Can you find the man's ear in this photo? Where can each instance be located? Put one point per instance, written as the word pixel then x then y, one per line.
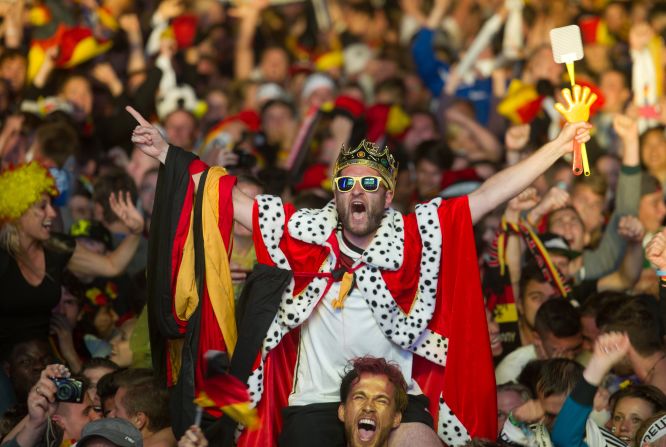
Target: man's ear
pixel 538 346
pixel 140 420
pixel 389 197
pixel 396 419
pixel 341 412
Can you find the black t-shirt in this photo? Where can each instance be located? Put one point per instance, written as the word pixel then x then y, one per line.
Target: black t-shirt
pixel 25 310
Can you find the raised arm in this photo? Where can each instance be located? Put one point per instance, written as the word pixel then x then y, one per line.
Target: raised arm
pixel 86 262
pixel 629 272
pixel 511 181
pixel 150 141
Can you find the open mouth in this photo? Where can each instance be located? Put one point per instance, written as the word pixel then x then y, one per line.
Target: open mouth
pixel 366 429
pixel 495 341
pixel 358 209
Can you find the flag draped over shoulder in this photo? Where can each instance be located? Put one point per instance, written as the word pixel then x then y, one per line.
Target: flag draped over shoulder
pixel 190 298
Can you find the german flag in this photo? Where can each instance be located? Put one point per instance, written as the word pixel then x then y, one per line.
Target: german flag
pixel 521 104
pixel 230 395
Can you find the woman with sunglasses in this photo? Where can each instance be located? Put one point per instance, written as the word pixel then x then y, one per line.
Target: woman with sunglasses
pixel 367 281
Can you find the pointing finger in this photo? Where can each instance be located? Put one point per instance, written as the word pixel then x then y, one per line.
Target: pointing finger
pixel 137 116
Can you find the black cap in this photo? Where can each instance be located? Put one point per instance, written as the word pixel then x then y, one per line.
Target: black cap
pixel 118 431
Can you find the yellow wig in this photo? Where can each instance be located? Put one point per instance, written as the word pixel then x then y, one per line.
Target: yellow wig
pixel 21 187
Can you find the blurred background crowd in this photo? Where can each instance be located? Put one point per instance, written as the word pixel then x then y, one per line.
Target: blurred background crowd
pixel 458 89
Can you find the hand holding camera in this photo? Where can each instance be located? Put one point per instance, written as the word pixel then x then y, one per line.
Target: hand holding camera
pixel 54 386
pixel 41 399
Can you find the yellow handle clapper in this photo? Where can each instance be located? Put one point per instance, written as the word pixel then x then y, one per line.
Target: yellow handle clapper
pixel 578 109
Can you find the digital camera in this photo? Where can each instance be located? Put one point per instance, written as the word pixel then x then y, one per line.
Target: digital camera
pixel 68 390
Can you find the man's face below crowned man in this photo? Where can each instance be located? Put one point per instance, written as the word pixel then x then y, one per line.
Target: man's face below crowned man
pixel 360 211
pixel 370 413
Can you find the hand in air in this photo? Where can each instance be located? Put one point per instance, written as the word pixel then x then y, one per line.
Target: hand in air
pixel 147 138
pixel 655 250
pixel 124 208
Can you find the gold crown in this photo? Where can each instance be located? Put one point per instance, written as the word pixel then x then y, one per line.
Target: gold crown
pixel 371 155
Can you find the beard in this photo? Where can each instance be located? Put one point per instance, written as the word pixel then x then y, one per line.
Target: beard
pixel 373 215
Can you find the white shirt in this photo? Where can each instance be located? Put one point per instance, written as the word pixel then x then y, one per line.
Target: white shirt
pixel 331 337
pixel 512 365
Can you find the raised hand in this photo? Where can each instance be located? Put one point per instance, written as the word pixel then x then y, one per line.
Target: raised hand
pixel 609 349
pixel 655 250
pixel 130 24
pixel 250 9
pixel 170 8
pixel 630 228
pixel 640 35
pixel 554 199
pixel 124 208
pixel 193 437
pixel 42 397
pixel 516 137
pixel 578 110
pixel 147 138
pixel 104 73
pixel 529 412
pixel 625 127
pixel 524 201
pixel 572 132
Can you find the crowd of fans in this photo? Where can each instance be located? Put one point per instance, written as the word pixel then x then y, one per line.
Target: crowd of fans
pixel 573 268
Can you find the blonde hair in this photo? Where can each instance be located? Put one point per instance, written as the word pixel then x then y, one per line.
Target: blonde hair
pixel 9 238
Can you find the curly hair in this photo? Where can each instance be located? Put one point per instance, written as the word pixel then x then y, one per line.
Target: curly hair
pixel 22 186
pixel 377 366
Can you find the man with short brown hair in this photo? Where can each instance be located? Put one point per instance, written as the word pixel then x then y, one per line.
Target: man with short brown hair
pixel 373 397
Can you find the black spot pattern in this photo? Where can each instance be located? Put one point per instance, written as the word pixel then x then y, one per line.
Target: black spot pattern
pixel 449 428
pixel 313 225
pixel 432 346
pixel 386 249
pixel 255 384
pixel 406 330
pixel 271 227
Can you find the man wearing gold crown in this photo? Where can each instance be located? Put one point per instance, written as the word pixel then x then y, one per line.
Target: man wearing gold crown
pixel 369 281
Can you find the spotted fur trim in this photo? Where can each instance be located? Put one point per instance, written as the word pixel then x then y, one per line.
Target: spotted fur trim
pixel 432 346
pixel 313 226
pixel 406 329
pixel 255 384
pixel 385 251
pixel 271 226
pixel 449 428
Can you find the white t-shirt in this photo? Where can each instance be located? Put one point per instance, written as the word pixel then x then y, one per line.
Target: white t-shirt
pixel 512 365
pixel 331 337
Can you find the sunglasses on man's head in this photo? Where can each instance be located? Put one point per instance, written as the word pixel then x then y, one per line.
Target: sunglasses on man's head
pixel 369 183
